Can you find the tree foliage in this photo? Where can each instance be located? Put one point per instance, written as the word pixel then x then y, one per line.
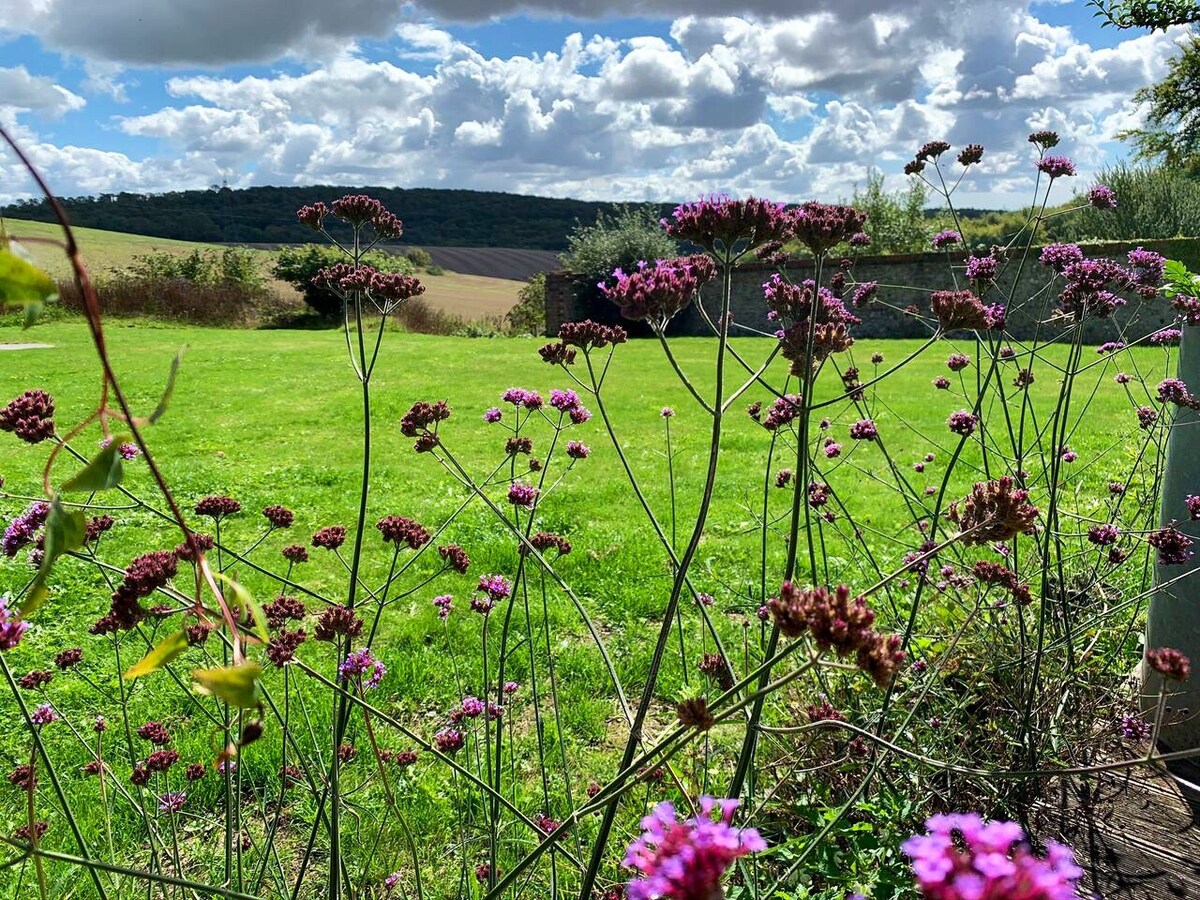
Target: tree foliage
pixel 896 220
pixel 617 240
pixel 267 215
pixel 529 314
pixel 1171 133
pixel 1153 203
pixel 1152 14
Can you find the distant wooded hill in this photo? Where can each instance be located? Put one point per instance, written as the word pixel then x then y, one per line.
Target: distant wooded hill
pixel 431 217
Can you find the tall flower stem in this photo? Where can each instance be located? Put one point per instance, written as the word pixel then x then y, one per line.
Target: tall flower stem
pixel 668 619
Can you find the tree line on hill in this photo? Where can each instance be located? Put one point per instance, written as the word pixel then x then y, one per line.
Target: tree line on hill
pixel 432 217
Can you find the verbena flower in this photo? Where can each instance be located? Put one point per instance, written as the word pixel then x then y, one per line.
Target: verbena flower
pixel 1169 663
pixel 359 663
pixel 330 537
pixel 218 507
pixel 448 741
pixel 993 511
pixel 964 858
pixel 1101 196
pixel 279 516
pixel 23 529
pixel 656 292
pixel 864 430
pixel 970 154
pixel 686 860
pixel 837 621
pixel 43 715
pixel 947 237
pixel 456 557
pixel 721 220
pixel 400 530
pixel 1173 546
pixel 69 658
pixel 337 620
pixel 956 362
pixel 444 604
pixel 172 801
pixel 982 268
pixel 29 416
pixel 1044 139
pixel 1056 166
pixel 154 732
pixel 521 494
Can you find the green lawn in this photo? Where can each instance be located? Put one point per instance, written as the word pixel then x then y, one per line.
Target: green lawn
pixel 273 417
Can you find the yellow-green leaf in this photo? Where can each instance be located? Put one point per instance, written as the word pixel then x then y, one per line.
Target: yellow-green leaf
pixel 235 685
pixel 245 604
pixel 22 282
pixel 165 400
pixel 104 471
pixel 161 654
pixel 64 531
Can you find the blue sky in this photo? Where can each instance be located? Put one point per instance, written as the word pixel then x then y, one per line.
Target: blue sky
pixel 639 100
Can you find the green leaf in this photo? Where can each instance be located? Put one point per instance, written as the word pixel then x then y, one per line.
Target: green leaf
pixel 165 400
pixel 104 471
pixel 22 282
pixel 235 685
pixel 64 531
pixel 161 654
pixel 245 604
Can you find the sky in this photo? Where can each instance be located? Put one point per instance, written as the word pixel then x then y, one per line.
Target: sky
pixel 596 99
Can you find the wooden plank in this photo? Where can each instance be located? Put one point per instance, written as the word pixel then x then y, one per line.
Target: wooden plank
pixel 1134 832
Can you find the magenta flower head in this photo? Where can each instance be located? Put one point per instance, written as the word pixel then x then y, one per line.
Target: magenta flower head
pixel 656 293
pixel 448 741
pixel 1056 166
pixel 721 220
pixel 864 430
pixel 360 663
pixel 946 238
pixel 172 801
pixel 492 415
pixel 822 226
pixel 667 412
pixel 43 715
pixel 686 860
pixel 29 416
pixel 964 858
pixel 982 268
pixel 520 494
pixel 1169 663
pixel 23 529
pixel 578 450
pixel 444 605
pixel 1101 196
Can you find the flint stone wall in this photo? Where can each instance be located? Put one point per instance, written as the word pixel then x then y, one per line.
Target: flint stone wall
pixel 905 279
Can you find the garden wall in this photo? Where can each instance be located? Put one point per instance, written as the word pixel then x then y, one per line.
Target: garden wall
pixel 569 299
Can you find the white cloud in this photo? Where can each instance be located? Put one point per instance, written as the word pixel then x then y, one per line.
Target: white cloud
pixel 20 91
pixel 721 102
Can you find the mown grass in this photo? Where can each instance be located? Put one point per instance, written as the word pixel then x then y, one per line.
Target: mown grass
pixel 274 417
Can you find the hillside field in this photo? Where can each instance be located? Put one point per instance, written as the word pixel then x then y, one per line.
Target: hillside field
pixel 469 296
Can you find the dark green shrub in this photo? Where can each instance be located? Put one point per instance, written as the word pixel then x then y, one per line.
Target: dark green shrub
pixel 529 314
pixel 299 265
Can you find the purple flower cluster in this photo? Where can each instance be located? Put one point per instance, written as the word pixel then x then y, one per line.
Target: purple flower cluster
pixel 444 604
pixel 686 860
pixel 1173 546
pixel 23 529
pixel 963 310
pixel 982 268
pixel 1056 166
pixel 962 422
pixel 864 430
pixel 400 530
pixel 1101 196
pixel 359 663
pixel 946 238
pixel 964 858
pixel 29 416
pixel 569 404
pixel 721 220
pixel 656 292
pixel 521 494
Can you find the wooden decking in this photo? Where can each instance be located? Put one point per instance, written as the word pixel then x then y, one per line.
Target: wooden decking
pixel 1137 833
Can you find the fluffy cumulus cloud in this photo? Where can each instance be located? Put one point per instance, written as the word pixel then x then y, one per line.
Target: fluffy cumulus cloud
pixel 791 99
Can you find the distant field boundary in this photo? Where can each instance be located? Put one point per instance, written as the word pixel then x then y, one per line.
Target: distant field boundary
pixel 491 262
